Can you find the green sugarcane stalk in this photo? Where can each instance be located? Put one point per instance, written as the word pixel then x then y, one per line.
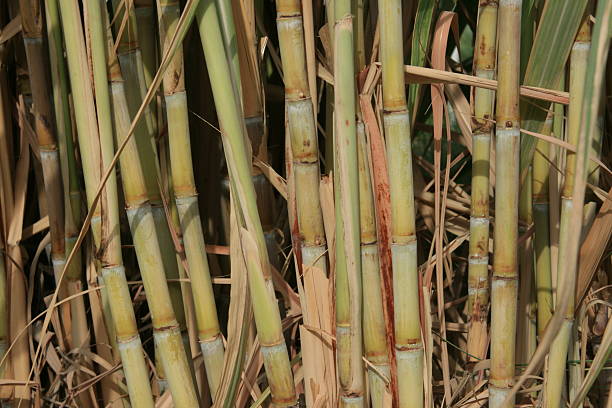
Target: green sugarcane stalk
pixel 141 216
pixel 147 34
pixel 44 126
pixel 329 91
pixel 72 193
pixel 249 90
pixel 132 69
pixel 61 104
pixel 555 373
pixel 396 120
pixel 112 270
pixel 230 42
pixel 541 240
pixel 267 318
pixel 73 315
pixel 374 329
pixel 349 299
pixel 482 129
pixel 526 324
pixel 505 263
pixel 185 193
pixel 302 132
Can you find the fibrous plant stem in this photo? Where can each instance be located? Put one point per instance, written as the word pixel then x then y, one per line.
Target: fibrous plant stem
pixel 32 21
pixel 541 240
pixel 113 273
pixel 185 194
pixel 130 59
pixel 485 59
pixel 505 263
pixel 234 137
pixel 374 329
pixel 396 121
pixel 346 188
pixel 166 329
pixel 302 131
pixel 558 353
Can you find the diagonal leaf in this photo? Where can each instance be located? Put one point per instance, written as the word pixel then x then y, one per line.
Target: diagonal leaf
pixel 558 27
pixel 421 37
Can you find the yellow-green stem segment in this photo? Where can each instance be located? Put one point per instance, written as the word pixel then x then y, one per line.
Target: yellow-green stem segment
pixel 133 71
pixel 185 194
pixel 541 240
pixel 482 128
pixel 44 126
pixel 505 262
pixel 128 340
pixel 302 131
pixel 558 352
pixel 396 122
pixel 265 306
pixel 346 187
pixel 374 329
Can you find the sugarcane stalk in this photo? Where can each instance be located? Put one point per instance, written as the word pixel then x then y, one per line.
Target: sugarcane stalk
pixel 346 187
pixel 112 270
pixel 185 194
pixel 32 21
pixel 15 363
pixel 329 91
pixel 482 129
pixel 230 42
pixel 144 226
pixel 555 374
pixel 4 326
pixel 555 185
pixel 133 71
pixel 72 193
pixel 505 263
pixel 147 35
pixel 5 198
pixel 241 49
pixel 267 318
pixel 396 121
pixel 374 330
pixel 302 131
pixel 541 240
pixel 526 324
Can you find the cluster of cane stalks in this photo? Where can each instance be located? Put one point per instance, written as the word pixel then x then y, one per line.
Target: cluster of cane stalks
pixel 233 203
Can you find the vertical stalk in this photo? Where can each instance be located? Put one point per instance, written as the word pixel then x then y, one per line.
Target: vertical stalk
pixel 240 41
pixel 113 273
pixel 482 129
pixel 133 71
pixel 374 329
pixel 396 120
pixel 72 193
pixel 302 131
pixel 267 318
pixel 230 41
pixel 33 37
pixel 541 240
pixel 329 91
pixel 147 34
pixel 166 329
pixel 505 263
pixel 558 352
pixel 4 315
pixel 346 187
pixel 6 200
pixel 185 194
pixel 526 324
